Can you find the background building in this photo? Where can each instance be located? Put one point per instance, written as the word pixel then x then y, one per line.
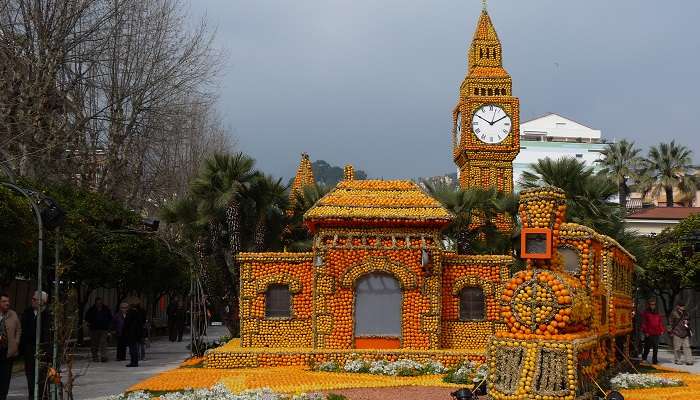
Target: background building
pixel 555 136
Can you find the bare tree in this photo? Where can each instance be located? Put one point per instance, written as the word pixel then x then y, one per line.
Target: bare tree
pixel 100 90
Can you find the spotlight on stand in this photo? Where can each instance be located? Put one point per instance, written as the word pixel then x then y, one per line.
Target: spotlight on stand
pixel 463 394
pixel 51 214
pixel 614 395
pixel 151 224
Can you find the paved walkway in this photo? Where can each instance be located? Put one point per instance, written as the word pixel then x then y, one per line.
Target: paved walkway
pixel 112 377
pixel 666 361
pixel 103 379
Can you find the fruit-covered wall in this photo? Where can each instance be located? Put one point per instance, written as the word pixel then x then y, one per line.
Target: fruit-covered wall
pixel 488 275
pixel 259 271
pixel 346 255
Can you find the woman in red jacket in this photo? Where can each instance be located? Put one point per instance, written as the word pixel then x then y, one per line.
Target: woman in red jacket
pixel 652 327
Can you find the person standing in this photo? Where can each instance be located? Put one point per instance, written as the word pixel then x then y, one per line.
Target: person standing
pixel 680 332
pixel 118 326
pixel 133 333
pixel 99 319
pixel 172 320
pixel 10 331
pixel 144 329
pixel 180 317
pixel 28 343
pixel 652 327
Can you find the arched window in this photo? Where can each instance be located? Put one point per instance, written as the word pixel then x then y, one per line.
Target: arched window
pixel 476 91
pixel 471 304
pixel 490 91
pixel 278 302
pixel 483 92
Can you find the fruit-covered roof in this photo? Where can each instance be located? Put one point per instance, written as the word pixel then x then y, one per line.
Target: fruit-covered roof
pixel 377 203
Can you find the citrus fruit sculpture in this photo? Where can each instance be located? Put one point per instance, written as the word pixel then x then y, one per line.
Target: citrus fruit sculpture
pixel 567 319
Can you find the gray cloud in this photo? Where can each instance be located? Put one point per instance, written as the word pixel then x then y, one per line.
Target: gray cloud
pixel 373 82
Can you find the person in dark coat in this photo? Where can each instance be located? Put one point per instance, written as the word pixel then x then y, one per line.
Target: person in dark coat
pixel 180 317
pixel 99 318
pixel 118 326
pixel 28 343
pixel 681 332
pixel 144 321
pixel 133 333
pixel 172 320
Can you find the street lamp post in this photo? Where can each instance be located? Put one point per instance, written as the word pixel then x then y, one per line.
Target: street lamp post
pixel 54 218
pixel 39 268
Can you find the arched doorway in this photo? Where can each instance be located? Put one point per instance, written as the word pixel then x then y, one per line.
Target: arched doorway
pixel 377 311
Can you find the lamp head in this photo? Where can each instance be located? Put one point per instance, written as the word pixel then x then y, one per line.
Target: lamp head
pixel 463 394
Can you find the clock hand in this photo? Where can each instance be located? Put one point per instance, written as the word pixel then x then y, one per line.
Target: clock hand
pixel 499 119
pixel 478 116
pixel 493 116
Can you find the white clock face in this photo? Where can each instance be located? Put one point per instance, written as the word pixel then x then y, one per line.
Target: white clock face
pixel 459 127
pixel 491 124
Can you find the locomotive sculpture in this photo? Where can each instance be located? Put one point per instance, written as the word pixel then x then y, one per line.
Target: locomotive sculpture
pixel 568 314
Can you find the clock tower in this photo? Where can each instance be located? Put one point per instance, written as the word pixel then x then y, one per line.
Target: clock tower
pixel 486 130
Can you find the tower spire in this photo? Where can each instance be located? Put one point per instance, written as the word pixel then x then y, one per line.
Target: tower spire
pixel 483 3
pixel 304 177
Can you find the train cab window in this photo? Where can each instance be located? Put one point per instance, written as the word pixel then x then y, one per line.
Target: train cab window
pixel 603 310
pixel 571 260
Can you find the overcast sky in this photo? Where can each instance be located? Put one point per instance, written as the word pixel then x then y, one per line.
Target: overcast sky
pixel 374 82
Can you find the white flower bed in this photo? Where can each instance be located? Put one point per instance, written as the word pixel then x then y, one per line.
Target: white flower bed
pixel 219 392
pixel 467 372
pixel 641 381
pixel 403 367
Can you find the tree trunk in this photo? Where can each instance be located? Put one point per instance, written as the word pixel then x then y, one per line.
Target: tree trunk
pixel 463 242
pixel 221 279
pixel 260 232
pixel 669 196
pixel 622 193
pixel 233 220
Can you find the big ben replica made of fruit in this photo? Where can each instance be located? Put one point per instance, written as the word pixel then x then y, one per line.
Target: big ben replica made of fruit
pixel 485 135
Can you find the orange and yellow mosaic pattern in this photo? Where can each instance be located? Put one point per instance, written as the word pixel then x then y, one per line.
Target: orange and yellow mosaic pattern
pixel 258 271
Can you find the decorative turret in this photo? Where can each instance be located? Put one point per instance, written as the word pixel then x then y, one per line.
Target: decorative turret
pixel 304 177
pixel 348 172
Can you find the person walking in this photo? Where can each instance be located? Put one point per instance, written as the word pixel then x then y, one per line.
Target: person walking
pixel 652 327
pixel 180 317
pixel 144 329
pixel 10 331
pixel 133 333
pixel 28 343
pixel 99 318
pixel 681 333
pixel 171 313
pixel 118 326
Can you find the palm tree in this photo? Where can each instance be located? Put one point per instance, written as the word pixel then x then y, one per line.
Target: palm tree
pixel 621 161
pixel 296 237
pixel 669 165
pixel 270 200
pixel 474 229
pixel 587 194
pixel 219 190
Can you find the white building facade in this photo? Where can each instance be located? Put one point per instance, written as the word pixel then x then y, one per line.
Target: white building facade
pixel 555 137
